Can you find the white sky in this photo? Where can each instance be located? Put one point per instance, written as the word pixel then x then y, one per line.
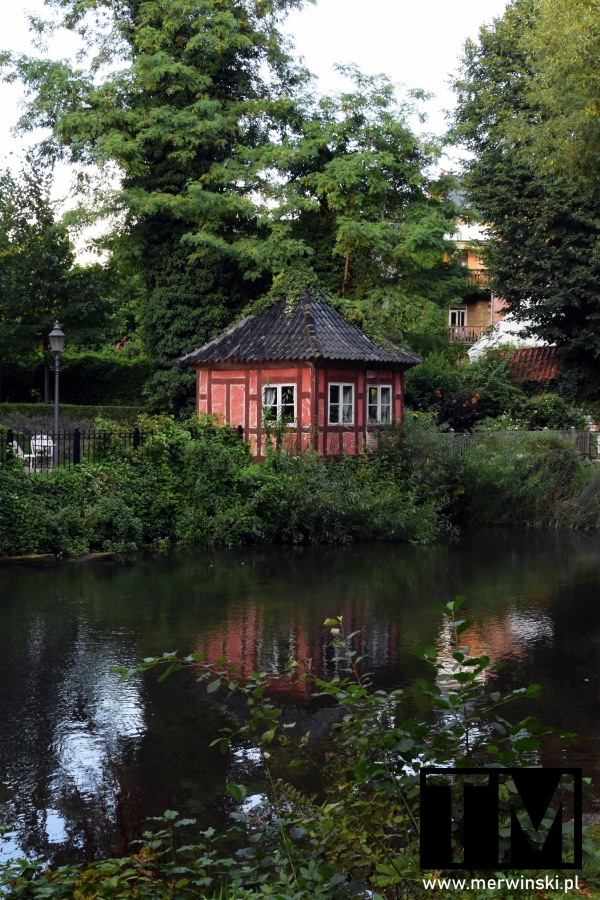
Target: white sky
pixel 417 44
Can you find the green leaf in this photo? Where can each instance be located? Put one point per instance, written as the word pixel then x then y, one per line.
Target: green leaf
pixel 237 791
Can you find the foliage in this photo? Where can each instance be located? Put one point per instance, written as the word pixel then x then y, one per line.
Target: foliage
pixel 355 194
pixel 178 97
pixel 105 377
pixel 95 377
pixel 38 417
pixel 196 484
pixel 438 375
pixel 36 255
pixel 539 412
pixel 39 281
pixel 361 837
pixel 567 84
pixel 543 223
pixel 231 172
pixel 483 393
pixel 463 393
pixel 514 479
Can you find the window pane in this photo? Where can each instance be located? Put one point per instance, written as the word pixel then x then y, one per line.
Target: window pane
pixel 348 405
pixel 334 413
pixel 386 405
pixel 270 403
pixel 287 394
pixel 334 393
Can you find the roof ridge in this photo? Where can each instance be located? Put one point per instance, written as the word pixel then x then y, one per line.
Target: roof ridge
pixel 310 325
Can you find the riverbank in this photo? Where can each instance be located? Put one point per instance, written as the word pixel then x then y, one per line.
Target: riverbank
pixel 206 491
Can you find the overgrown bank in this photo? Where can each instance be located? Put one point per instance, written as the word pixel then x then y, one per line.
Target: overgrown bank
pixel 205 490
pixel 199 486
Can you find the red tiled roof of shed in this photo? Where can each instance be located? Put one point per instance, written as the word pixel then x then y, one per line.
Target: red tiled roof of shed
pixel 534 364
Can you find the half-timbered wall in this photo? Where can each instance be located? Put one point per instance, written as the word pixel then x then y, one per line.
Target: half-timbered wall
pixel 236 395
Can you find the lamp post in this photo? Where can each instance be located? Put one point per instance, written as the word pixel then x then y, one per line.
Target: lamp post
pixel 57 343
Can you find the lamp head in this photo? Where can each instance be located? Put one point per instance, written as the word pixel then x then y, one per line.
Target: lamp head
pixel 57 339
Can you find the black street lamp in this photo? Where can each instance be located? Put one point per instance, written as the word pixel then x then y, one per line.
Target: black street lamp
pixel 57 343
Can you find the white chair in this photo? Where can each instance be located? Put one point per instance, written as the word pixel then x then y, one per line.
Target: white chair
pixel 42 451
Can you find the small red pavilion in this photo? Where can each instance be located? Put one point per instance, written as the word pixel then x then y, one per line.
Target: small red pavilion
pixel 298 369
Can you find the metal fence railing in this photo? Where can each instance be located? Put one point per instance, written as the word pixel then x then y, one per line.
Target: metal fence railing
pixel 42 450
pixel 586 442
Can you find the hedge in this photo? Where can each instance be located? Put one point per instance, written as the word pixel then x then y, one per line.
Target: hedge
pixel 93 377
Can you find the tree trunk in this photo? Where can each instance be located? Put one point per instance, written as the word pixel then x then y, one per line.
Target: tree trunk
pixel 346 272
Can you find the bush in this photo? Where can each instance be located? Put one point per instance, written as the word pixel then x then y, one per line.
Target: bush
pixel 437 376
pixel 40 416
pixel 92 377
pixel 518 479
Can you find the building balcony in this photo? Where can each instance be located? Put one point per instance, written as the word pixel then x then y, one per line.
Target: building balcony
pixel 466 334
pixel 478 278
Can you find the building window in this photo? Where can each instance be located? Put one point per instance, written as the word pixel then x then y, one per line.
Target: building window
pixel 457 318
pixel 279 403
pixel 380 405
pixel 341 404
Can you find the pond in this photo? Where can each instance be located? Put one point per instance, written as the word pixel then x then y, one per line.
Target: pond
pixel 76 745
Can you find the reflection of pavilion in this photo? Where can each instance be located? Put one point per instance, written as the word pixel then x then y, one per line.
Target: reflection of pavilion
pixel 502 640
pixel 251 640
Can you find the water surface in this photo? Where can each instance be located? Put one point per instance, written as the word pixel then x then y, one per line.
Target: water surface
pixel 75 744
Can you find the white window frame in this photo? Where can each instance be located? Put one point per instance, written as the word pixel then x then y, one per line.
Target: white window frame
pixel 341 385
pixel 279 388
pixel 379 388
pixel 459 312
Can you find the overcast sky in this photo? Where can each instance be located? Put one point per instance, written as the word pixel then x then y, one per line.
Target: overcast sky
pixel 417 44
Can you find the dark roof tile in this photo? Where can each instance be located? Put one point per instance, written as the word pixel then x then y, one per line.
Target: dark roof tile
pixel 307 330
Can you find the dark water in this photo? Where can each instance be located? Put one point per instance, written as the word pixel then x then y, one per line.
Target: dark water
pixel 75 744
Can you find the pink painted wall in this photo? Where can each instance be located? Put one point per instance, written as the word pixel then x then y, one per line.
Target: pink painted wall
pixel 236 396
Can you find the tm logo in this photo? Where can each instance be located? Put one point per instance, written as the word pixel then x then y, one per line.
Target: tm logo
pixel 500 818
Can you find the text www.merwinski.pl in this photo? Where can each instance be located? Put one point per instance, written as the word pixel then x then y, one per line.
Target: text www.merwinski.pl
pixel 521 883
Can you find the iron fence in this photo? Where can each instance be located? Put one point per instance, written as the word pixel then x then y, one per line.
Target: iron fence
pixel 585 442
pixel 43 450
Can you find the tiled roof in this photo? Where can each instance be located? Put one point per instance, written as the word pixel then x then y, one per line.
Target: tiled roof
pixel 308 330
pixel 534 364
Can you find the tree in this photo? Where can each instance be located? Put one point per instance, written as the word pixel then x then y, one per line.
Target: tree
pixel 176 95
pixel 353 188
pixel 35 256
pixel 544 251
pixel 564 47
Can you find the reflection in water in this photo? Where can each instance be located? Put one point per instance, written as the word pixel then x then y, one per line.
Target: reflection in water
pixel 74 743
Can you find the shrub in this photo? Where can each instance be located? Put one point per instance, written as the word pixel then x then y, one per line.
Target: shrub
pixel 518 479
pixel 437 376
pixel 113 526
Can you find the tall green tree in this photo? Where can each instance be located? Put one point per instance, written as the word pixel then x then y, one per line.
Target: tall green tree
pixel 354 188
pixel 175 94
pixel 35 258
pixel 544 223
pixel 564 47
